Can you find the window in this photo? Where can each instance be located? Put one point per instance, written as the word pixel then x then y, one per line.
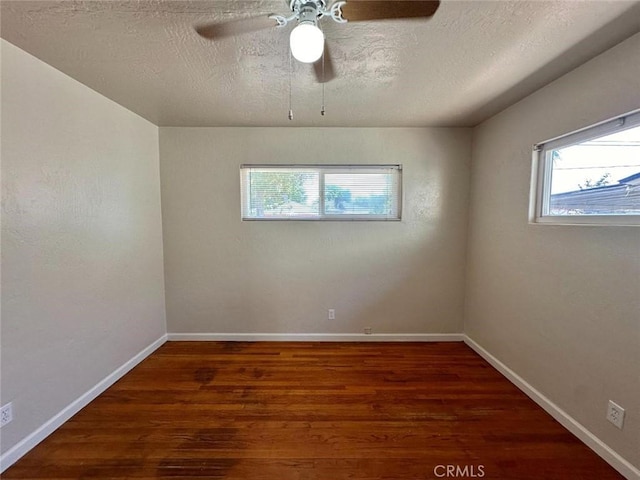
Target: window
pixel 591 176
pixel 321 192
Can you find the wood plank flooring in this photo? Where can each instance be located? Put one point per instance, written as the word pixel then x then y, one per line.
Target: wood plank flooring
pixel 312 411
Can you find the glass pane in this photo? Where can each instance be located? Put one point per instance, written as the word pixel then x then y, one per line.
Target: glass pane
pixel 283 193
pixel 357 193
pixel 319 192
pixel 597 177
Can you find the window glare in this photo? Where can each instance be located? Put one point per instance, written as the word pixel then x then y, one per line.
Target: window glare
pixel 607 159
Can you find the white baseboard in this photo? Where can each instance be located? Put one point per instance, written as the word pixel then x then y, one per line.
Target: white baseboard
pixel 594 443
pixel 316 337
pixel 21 448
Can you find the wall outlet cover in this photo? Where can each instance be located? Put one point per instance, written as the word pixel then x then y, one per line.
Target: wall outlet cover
pixel 615 414
pixel 6 414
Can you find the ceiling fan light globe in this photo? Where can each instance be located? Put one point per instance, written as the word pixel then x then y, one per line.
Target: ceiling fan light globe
pixel 306 42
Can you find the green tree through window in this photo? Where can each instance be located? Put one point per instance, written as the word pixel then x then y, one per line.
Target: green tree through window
pixel 274 189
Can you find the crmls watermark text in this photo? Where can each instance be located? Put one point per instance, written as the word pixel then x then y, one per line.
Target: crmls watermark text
pixel 459 471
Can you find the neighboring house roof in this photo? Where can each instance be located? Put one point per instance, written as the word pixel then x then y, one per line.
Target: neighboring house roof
pixel 631 180
pixel 622 198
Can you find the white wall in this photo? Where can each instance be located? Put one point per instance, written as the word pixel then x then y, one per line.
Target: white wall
pixel 228 276
pixel 560 305
pixel 82 278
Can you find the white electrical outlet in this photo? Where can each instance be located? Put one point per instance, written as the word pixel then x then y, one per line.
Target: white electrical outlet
pixel 367 331
pixel 6 414
pixel 615 414
pixel 332 314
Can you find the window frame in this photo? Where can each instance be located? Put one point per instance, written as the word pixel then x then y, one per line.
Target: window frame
pixel 542 167
pixel 324 169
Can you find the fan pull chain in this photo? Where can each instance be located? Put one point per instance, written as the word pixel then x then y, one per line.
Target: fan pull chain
pixel 322 110
pixel 324 50
pixel 290 102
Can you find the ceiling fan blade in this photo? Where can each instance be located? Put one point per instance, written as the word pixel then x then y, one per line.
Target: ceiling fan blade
pixel 328 74
pixel 363 10
pixel 214 31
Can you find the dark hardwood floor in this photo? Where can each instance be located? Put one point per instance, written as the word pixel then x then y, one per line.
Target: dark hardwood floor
pixel 312 411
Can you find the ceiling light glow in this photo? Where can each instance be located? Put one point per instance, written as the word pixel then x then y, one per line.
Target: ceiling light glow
pixel 306 42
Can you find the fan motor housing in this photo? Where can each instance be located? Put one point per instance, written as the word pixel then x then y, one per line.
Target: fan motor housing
pixel 308 10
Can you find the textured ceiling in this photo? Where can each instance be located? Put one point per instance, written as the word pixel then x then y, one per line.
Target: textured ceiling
pixel 472 59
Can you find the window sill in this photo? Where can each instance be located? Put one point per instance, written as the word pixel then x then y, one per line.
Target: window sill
pixel 589 221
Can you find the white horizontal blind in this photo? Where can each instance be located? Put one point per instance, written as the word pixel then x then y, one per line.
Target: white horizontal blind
pixel 321 192
pixel 595 131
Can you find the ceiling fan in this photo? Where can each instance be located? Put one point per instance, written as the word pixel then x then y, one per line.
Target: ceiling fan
pixel 307 39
